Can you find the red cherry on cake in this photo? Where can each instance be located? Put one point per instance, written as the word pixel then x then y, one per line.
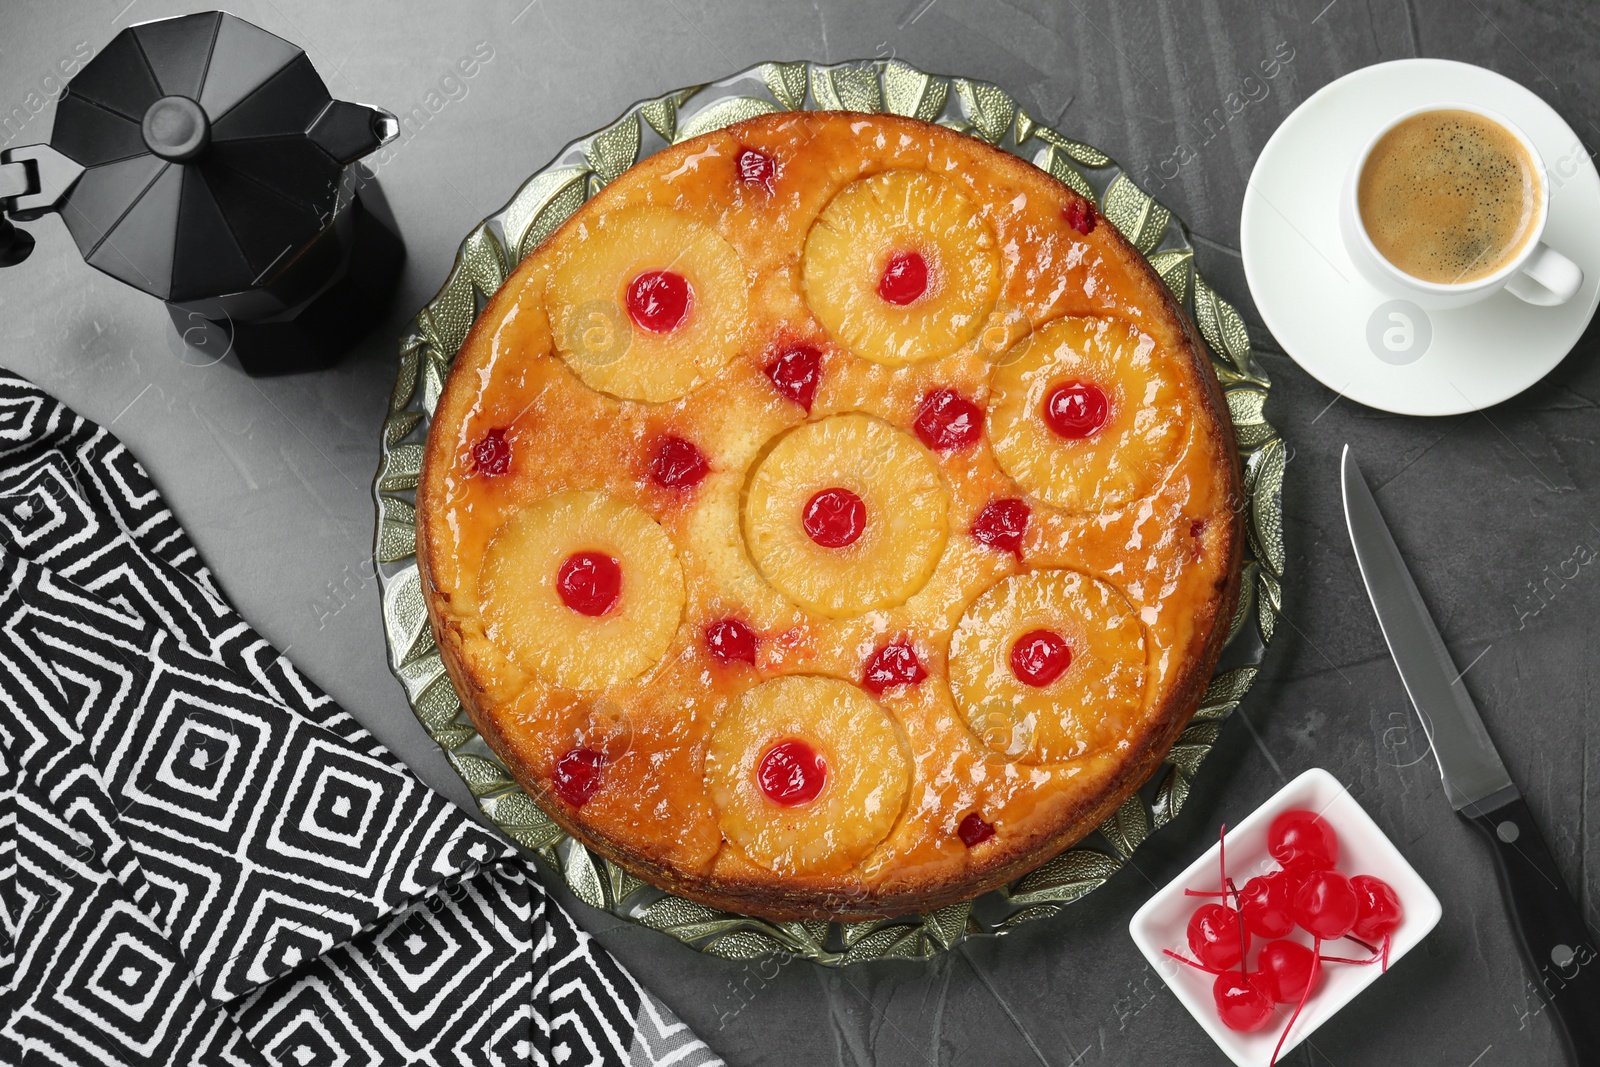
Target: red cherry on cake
pixel 834 517
pixel 893 664
pixel 1075 410
pixel 1001 524
pixel 732 641
pixel 905 277
pixel 1303 841
pixel 677 464
pixel 947 421
pixel 1215 936
pixel 578 775
pixel 1325 904
pixel 1378 909
pixel 795 372
pixel 1240 1003
pixel 1080 215
pixel 589 582
pixel 658 300
pixel 791 773
pixel 1264 902
pixel 755 167
pixel 1285 969
pixel 973 831
pixel 1039 657
pixel 491 456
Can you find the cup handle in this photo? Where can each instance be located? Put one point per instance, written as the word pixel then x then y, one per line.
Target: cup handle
pixel 1548 278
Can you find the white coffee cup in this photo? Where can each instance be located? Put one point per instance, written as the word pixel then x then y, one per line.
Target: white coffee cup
pixel 1537 274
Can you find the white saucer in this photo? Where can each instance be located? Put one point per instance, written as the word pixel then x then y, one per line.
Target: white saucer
pixel 1349 335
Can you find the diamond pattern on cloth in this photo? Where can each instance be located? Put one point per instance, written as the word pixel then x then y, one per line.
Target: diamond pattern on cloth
pixel 204 859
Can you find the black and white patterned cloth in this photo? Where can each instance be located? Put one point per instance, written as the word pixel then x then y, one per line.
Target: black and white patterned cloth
pixel 204 860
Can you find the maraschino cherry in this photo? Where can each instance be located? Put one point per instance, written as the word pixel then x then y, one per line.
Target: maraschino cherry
pixel 894 664
pixel 1216 937
pixel 658 300
pixel 579 775
pixel 1240 1003
pixel 1378 910
pixel 589 582
pixel 795 372
pixel 974 831
pixel 1075 410
pixel 1080 215
pixel 1325 904
pixel 1303 841
pixel 1002 524
pixel 491 456
pixel 947 421
pixel 1039 657
pixel 834 518
pixel 732 641
pixel 755 167
pixel 1264 902
pixel 1287 969
pixel 905 277
pixel 678 463
pixel 791 773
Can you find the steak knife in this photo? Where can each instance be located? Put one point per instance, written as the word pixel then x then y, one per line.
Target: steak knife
pixel 1556 945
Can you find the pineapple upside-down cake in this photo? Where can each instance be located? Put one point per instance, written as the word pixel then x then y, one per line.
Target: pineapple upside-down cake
pixel 834 517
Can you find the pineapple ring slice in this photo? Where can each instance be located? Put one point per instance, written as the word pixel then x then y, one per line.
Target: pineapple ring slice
pixel 1144 424
pixel 850 244
pixel 865 786
pixel 906 515
pixel 1088 706
pixel 523 612
pixel 596 336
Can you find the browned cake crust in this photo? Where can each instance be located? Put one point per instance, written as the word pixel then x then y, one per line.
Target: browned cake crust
pixel 1172 550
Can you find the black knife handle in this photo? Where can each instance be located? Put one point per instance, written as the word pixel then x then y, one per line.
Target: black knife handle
pixel 1556 943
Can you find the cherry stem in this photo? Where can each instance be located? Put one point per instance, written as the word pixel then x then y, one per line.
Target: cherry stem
pixel 1192 963
pixel 1316 950
pixel 1347 959
pixel 1222 858
pixel 1203 893
pixel 1370 948
pixel 1385 953
pixel 1244 943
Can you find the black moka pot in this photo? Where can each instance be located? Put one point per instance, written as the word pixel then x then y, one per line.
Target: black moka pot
pixel 202 160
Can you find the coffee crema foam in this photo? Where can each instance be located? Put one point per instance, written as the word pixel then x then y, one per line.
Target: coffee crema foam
pixel 1449 196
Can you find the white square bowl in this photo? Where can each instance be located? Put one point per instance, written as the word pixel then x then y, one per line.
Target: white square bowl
pixel 1363 849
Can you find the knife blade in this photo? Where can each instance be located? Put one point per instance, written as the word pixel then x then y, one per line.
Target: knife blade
pixel 1471 767
pixel 1550 929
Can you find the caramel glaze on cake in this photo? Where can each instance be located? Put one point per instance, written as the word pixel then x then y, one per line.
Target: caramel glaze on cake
pixel 664 613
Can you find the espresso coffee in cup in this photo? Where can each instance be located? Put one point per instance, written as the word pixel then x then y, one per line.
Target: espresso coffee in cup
pixel 1446 205
pixel 1449 196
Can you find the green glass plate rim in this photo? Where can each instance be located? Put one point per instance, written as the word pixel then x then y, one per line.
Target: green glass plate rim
pixel 549 196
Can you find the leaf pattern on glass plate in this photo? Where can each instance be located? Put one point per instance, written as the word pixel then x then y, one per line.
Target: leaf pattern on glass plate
pixel 725 113
pixel 908 91
pixel 1174 267
pixel 543 203
pixel 988 107
pixel 1132 210
pixel 614 150
pixel 1060 166
pixel 787 83
pixel 1128 826
pixel 1085 154
pixel 1065 878
pixel 520 817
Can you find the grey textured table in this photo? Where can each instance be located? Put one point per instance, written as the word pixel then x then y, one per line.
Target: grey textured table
pixel 272 477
